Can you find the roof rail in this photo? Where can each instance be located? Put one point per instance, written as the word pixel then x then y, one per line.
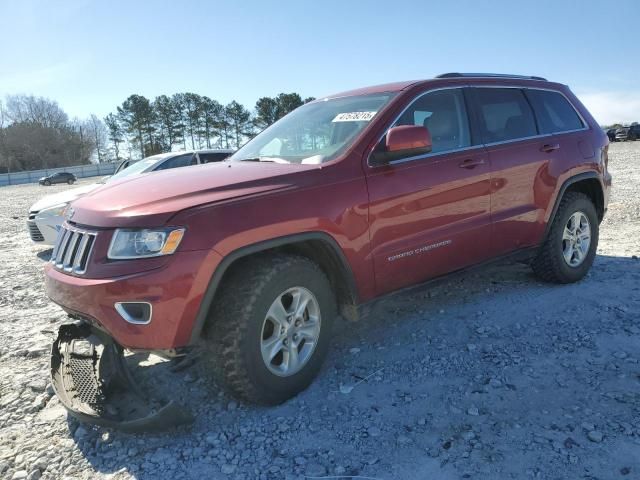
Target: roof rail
pixel 488 75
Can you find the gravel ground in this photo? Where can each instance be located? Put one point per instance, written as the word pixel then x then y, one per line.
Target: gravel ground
pixel 487 375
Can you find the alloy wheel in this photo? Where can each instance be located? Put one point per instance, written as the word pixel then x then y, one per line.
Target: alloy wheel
pixel 290 331
pixel 576 239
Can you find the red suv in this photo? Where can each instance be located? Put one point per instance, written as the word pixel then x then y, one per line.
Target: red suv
pixel 342 201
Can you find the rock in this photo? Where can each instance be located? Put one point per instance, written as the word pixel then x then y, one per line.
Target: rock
pixel 34 475
pixel 354 350
pixel 20 475
pixel 588 426
pixel 315 470
pixel 403 440
pixel 595 436
pixel 473 411
pixel 300 460
pixel 495 383
pixel 232 405
pixel 228 469
pixel 468 435
pixel 374 431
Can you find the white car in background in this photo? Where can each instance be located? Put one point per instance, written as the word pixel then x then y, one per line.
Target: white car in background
pixel 46 215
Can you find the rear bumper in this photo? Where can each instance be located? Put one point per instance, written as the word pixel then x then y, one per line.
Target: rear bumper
pixel 175 292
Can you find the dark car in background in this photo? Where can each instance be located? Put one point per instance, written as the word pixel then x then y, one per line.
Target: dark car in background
pixel 58 177
pixel 628 133
pixel 611 133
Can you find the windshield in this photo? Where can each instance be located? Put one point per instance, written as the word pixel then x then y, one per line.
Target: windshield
pixel 314 133
pixel 137 167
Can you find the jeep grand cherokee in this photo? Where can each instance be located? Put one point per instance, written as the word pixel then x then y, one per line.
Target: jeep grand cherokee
pixel 346 199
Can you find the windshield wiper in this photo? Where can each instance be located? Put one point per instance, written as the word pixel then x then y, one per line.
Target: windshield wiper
pixel 264 159
pixel 257 159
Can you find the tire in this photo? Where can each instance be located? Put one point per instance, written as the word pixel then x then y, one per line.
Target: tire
pixel 551 263
pixel 70 181
pixel 47 183
pixel 238 327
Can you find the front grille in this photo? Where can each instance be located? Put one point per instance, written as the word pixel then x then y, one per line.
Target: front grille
pixel 34 232
pixel 72 249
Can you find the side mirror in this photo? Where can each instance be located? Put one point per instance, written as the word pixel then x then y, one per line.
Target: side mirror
pixel 403 141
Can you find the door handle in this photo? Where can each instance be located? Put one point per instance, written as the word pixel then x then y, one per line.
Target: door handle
pixel 548 148
pixel 471 163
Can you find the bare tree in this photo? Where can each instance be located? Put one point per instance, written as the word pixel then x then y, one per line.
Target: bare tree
pixel 98 133
pixel 36 110
pixel 3 116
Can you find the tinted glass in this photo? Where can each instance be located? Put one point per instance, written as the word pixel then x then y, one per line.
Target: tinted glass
pixel 179 161
pixel 555 114
pixel 504 114
pixel 444 114
pixel 213 157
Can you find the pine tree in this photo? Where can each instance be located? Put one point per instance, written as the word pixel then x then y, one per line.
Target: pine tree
pixel 239 121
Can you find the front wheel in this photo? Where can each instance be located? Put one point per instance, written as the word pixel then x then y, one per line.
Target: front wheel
pixel 270 328
pixel 570 247
pixel 47 183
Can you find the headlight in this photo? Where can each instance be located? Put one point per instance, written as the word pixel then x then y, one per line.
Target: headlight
pixel 54 211
pixel 142 243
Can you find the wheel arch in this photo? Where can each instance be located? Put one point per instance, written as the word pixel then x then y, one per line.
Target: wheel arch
pixel 319 247
pixel 588 183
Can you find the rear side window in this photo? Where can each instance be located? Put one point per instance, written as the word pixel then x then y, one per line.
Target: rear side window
pixel 555 113
pixel 504 114
pixel 443 113
pixel 179 161
pixel 213 157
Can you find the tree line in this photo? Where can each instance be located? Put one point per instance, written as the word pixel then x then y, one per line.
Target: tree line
pixel 36 133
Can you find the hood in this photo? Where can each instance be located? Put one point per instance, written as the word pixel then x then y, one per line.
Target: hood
pixel 62 197
pixel 151 199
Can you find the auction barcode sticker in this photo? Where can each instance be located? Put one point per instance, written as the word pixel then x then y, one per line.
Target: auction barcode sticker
pixel 354 117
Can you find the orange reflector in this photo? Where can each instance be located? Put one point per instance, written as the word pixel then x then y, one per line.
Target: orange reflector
pixel 173 240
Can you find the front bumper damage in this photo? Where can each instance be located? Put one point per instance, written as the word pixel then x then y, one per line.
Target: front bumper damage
pixel 90 377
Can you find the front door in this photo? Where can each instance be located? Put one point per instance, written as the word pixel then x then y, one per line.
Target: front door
pixel 430 214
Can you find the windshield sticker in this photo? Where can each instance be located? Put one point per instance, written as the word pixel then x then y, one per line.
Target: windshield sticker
pixel 354 117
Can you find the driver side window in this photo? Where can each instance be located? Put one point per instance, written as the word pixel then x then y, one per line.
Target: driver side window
pixel 444 114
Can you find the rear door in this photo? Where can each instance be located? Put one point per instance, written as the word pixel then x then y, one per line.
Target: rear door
pixel 520 158
pixel 430 214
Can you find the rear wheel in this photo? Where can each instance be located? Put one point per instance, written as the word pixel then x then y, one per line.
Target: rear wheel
pixel 70 181
pixel 270 326
pixel 570 247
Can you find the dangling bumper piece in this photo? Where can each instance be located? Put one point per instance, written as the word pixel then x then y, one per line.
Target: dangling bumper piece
pixel 90 377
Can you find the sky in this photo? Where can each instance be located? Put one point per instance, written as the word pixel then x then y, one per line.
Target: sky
pixel 90 56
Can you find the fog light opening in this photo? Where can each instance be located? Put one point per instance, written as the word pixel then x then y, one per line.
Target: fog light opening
pixel 138 313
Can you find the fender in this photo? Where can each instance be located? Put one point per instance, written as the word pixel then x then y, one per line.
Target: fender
pixel 567 183
pixel 247 250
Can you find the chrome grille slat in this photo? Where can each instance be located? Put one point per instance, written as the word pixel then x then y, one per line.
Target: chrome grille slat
pixel 72 249
pixel 81 248
pixel 62 248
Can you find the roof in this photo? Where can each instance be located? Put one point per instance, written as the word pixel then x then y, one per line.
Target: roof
pixel 399 86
